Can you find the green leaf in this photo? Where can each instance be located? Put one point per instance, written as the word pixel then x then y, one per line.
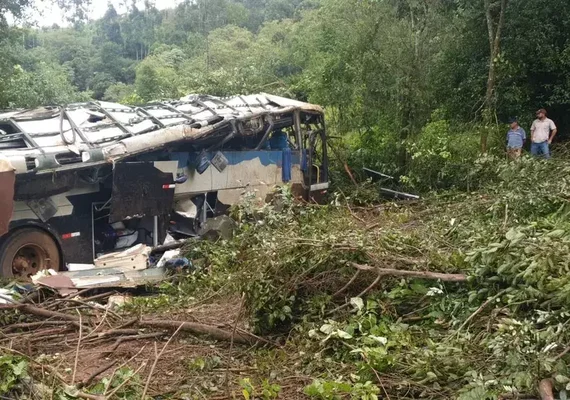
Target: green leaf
pixel 357 302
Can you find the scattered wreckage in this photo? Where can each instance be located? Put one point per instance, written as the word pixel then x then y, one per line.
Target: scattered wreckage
pixel 102 185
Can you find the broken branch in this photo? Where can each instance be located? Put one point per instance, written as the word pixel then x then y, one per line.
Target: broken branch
pixel 77 350
pixel 201 329
pixel 31 325
pixel 545 389
pixel 485 304
pixel 413 274
pixel 90 378
pixel 110 396
pixel 350 282
pixel 136 337
pixel 369 288
pixel 156 360
pixel 41 312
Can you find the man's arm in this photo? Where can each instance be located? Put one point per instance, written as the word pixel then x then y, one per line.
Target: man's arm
pixel 532 129
pixel 553 133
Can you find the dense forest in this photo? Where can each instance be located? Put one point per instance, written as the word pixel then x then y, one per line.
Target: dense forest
pixel 409 81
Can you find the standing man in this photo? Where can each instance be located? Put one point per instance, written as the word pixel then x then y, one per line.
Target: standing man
pixel 516 137
pixel 542 133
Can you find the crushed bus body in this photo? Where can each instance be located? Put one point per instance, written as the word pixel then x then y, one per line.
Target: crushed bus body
pixel 89 179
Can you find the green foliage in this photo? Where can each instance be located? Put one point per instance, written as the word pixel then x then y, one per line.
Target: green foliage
pixel 204 364
pixel 12 370
pixel 267 391
pixel 46 84
pixel 131 390
pixel 510 237
pixel 333 390
pixel 120 92
pixel 440 158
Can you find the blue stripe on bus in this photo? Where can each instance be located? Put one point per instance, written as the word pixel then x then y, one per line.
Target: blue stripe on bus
pixel 265 157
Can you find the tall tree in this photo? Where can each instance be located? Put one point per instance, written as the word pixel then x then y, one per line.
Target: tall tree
pixel 110 26
pixel 495 17
pixel 74 9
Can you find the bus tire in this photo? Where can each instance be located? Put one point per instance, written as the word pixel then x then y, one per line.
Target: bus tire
pixel 26 251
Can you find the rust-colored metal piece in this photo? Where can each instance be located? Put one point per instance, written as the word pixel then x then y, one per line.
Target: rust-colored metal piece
pixel 7 181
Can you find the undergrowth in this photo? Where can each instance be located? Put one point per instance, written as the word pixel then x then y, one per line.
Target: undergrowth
pixel 498 333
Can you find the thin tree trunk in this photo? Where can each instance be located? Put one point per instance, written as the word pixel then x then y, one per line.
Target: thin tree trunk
pixel 494 50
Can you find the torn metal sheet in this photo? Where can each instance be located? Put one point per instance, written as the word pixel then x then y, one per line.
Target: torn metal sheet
pixel 62 284
pixel 135 258
pixel 116 278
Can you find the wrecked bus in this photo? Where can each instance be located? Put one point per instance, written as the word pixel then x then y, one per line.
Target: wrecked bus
pixel 89 179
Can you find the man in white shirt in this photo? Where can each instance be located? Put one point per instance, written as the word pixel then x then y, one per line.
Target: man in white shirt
pixel 542 133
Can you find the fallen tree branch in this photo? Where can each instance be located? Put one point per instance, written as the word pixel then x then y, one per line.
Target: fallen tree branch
pixel 110 396
pixel 99 296
pixel 41 312
pixel 131 338
pixel 481 307
pixel 545 389
pixel 349 172
pixel 50 369
pixel 517 396
pixel 350 282
pixel 564 352
pixel 227 378
pixel 114 332
pixel 201 329
pixel 88 396
pixel 40 333
pixel 31 325
pixel 370 227
pixel 77 350
pixel 381 272
pixel 413 274
pixel 130 322
pixel 259 338
pixel 87 381
pixel 369 288
pixel 147 384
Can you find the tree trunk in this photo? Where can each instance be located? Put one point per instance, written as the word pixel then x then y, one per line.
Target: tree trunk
pixel 495 30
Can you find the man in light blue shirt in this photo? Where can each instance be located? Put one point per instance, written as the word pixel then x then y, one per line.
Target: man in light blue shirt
pixel 516 137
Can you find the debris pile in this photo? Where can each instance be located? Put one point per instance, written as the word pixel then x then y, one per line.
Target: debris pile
pixel 89 336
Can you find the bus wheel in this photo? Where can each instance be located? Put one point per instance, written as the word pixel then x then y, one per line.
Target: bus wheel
pixel 27 251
